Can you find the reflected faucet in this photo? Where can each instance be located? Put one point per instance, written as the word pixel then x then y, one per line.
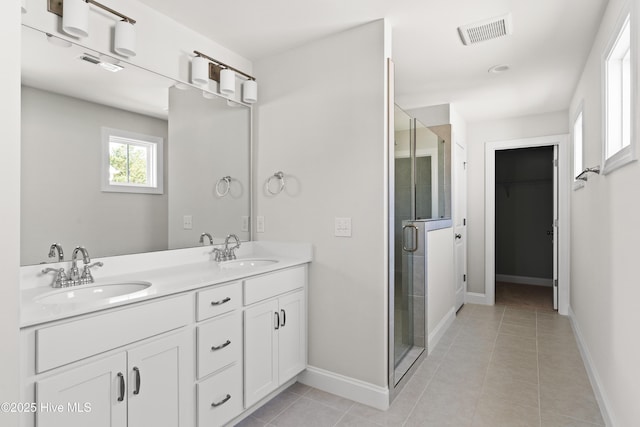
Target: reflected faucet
pixel 202 236
pixel 55 247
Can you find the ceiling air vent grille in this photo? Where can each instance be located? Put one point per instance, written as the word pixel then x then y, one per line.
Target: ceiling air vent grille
pixel 485 30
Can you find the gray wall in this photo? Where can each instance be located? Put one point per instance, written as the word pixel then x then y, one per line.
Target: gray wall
pixel 210 140
pixel 61 166
pixel 321 120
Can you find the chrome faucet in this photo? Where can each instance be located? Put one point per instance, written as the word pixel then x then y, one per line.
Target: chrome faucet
pixel 74 278
pixel 55 247
pixel 202 236
pixel 74 274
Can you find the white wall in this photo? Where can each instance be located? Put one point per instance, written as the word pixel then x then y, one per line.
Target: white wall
pixel 10 206
pixel 604 251
pixel 321 120
pixel 477 135
pixel 440 279
pixel 61 150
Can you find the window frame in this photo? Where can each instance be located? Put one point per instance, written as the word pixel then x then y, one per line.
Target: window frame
pixel 156 164
pixel 626 154
pixel 579 114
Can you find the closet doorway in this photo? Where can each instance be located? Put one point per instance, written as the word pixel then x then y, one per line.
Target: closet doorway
pixel 559 225
pixel 524 210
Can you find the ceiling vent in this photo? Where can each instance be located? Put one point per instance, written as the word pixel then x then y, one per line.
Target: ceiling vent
pixel 486 30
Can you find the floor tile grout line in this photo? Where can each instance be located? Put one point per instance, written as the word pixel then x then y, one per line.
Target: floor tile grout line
pixel 486 373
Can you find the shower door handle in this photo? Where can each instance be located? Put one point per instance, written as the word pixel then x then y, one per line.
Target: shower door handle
pixel 414 240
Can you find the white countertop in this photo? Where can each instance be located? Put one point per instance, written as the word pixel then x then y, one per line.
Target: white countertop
pixel 167 280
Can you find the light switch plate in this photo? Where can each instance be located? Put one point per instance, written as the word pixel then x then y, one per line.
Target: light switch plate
pixel 342 227
pixel 245 224
pixel 187 222
pixel 260 224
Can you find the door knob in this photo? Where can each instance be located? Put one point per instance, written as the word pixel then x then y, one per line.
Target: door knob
pixel 458 236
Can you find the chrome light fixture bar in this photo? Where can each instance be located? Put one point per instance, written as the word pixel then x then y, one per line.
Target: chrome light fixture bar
pixel 204 67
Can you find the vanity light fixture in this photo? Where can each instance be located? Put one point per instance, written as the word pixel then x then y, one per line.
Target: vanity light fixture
pixel 75 22
pixel 205 68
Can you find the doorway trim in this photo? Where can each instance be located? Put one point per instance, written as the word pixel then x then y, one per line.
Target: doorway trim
pixel 562 142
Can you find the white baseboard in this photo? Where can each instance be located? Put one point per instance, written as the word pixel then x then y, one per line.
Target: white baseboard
pixel 475 298
pixel 594 378
pixel 441 328
pixel 349 388
pixel 524 280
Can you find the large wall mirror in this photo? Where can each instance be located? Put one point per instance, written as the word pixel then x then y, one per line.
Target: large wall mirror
pixel 200 150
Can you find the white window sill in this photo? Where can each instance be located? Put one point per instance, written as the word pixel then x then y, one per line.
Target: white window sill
pixel 618 160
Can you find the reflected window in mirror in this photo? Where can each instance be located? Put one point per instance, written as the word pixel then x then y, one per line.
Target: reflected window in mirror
pixel 131 162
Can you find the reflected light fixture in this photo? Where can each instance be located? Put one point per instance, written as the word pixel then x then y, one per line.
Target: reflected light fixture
pixel 75 22
pixel 205 68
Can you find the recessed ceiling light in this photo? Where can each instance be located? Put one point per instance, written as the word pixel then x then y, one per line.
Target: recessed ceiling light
pixel 497 69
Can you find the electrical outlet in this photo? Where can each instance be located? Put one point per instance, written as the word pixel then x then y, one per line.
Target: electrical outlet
pixel 187 222
pixel 260 224
pixel 342 227
pixel 245 224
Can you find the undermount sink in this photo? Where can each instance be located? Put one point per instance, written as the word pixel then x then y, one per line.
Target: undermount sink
pixel 246 263
pixel 89 293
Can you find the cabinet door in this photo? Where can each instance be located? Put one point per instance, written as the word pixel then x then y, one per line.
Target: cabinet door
pixel 292 343
pixel 261 351
pixel 100 385
pixel 158 388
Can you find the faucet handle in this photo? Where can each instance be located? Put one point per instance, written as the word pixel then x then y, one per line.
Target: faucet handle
pixel 87 277
pixel 61 278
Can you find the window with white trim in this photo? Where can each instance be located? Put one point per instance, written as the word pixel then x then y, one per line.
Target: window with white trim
pixel 578 162
pixel 617 72
pixel 131 162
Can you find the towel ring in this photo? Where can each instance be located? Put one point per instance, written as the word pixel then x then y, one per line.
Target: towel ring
pixel 226 181
pixel 280 177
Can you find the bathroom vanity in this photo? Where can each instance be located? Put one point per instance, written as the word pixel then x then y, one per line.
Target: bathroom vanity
pixel 203 344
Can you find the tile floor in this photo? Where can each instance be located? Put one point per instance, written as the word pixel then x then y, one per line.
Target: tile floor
pixel 496 366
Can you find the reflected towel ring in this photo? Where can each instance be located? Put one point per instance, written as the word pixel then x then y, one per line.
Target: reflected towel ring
pixel 280 177
pixel 226 181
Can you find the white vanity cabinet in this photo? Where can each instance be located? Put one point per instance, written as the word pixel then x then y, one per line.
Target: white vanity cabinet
pixel 125 367
pixel 139 387
pixel 275 331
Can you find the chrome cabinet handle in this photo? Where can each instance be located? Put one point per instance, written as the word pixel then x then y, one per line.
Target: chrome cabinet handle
pixel 414 246
pixel 221 346
pixel 458 236
pixel 138 381
pixel 122 385
pixel 222 402
pixel 284 318
pixel 223 301
pixel 277 316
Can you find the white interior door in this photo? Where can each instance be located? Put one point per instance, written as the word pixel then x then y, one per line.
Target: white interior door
pixel 556 235
pixel 460 223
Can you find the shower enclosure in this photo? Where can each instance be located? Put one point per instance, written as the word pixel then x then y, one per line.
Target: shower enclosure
pixel 417 194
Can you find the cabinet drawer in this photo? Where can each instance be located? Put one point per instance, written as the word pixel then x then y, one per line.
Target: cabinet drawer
pixel 218 300
pixel 220 397
pixel 65 343
pixel 267 286
pixel 219 343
